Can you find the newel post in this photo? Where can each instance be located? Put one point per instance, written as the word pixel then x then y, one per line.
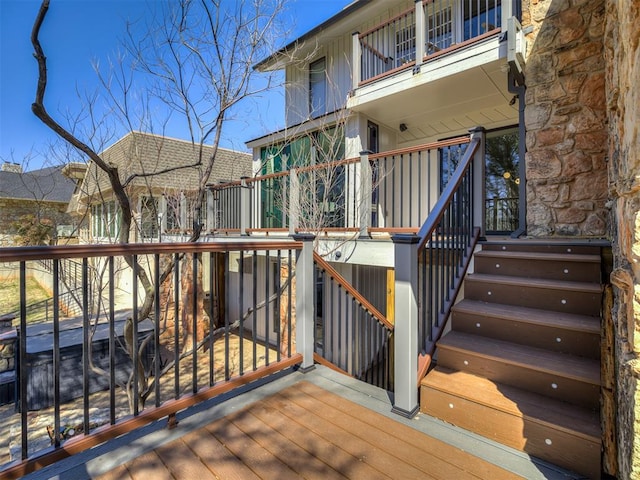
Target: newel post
pixel 479 194
pixel 355 60
pixel 305 285
pixel 245 206
pixel 365 194
pixel 405 345
pixel 420 35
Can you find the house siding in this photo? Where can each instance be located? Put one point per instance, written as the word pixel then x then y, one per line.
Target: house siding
pixel 338 53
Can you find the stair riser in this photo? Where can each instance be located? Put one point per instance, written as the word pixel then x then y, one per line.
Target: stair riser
pixel 521 376
pixel 546 248
pixel 567 301
pixel 555 339
pixel 547 269
pixel 567 449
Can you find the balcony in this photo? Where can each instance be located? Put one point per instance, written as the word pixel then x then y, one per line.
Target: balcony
pixel 451 55
pixel 376 194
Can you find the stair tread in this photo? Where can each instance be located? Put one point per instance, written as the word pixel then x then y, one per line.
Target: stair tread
pixel 520 255
pixel 569 366
pixel 535 282
pixel 515 401
pixel 568 321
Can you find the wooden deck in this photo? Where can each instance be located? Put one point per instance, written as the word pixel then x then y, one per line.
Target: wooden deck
pixel 316 425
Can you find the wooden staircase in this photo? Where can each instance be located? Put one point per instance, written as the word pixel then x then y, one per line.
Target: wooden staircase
pixel 521 364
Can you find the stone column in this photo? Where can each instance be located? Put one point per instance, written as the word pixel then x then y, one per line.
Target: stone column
pixel 565 118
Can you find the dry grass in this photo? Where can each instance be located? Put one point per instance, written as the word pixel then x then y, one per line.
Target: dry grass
pixel 10 298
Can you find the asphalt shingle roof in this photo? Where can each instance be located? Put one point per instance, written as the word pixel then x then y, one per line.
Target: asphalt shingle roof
pixel 45 184
pixel 140 153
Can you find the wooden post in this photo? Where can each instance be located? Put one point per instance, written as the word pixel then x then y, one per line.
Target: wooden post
pixel 421 32
pixel 355 60
pixel 245 206
pixel 405 345
pixel 479 193
pixel 305 316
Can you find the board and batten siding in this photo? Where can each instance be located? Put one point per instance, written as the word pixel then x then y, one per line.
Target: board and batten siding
pixel 338 54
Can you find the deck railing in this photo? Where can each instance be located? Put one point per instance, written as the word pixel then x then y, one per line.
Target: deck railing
pixel 351 334
pixel 405 184
pixel 380 192
pixel 182 322
pixel 430 29
pixel 389 46
pixel 502 214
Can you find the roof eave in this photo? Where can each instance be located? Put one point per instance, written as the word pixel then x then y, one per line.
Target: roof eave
pixel 275 60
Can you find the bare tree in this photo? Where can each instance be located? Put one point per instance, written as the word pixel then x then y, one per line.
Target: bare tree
pixel 196 59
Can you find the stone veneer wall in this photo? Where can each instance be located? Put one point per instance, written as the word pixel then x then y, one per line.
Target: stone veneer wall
pixel 622 54
pixel 565 118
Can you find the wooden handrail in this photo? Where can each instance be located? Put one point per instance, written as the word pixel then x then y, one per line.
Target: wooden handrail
pixel 376 52
pixel 17 254
pixel 352 291
pixel 458 46
pixel 388 22
pixel 425 146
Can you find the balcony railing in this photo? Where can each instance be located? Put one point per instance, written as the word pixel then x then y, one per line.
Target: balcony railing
pixel 429 270
pixel 382 192
pixel 431 28
pixel 501 214
pixel 180 323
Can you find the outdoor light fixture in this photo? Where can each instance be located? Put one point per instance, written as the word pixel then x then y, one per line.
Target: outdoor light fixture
pixel 403 127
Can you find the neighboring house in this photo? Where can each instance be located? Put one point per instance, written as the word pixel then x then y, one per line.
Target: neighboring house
pixel 162 176
pixel 555 93
pixel 38 196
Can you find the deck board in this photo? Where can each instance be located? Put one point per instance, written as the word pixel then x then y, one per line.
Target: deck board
pixel 305 431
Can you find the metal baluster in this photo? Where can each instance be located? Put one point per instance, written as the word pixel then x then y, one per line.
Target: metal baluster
pixel 176 325
pixel 112 344
pixel 85 346
pixel 56 352
pixel 134 340
pixel 241 310
pixel 194 324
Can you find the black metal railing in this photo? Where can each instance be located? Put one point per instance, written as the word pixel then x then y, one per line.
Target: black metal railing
pixel 350 333
pixel 197 319
pixel 501 214
pixel 446 242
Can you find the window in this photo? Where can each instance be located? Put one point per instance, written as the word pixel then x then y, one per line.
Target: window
pixel 405 45
pixel 439 27
pixel 318 88
pixel 105 220
pixel 481 17
pixel 327 199
pixel 148 217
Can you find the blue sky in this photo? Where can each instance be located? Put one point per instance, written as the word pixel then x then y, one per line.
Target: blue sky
pixel 77 32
